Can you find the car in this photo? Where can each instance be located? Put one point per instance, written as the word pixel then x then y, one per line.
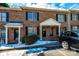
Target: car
pixel 70 40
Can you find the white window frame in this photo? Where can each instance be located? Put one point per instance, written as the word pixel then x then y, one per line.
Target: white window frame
pixel 61 18
pixel 32 30
pixel 2 17
pixel 33 15
pixel 75 17
pixel 74 27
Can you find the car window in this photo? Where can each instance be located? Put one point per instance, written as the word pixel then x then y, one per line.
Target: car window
pixel 74 35
pixel 66 34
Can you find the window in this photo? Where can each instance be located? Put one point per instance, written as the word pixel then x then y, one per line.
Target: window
pixel 32 30
pixel 32 16
pixel 67 33
pixel 74 16
pixel 3 17
pixel 74 35
pixel 2 35
pixel 74 27
pixel 61 17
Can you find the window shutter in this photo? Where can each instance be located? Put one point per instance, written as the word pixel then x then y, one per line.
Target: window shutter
pixel 7 17
pixel 56 17
pixel 26 16
pixel 38 16
pixel 26 29
pixel 71 16
pixel 65 18
pixel 38 30
pixel 78 16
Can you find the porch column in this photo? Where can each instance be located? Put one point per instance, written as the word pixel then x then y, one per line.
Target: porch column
pixel 68 21
pixel 40 32
pixel 59 30
pixel 19 36
pixel 6 38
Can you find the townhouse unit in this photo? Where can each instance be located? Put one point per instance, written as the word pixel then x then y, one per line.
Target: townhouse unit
pixel 46 23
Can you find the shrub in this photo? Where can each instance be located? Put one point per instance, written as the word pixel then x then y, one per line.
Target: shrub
pixel 51 35
pixel 23 39
pixel 29 39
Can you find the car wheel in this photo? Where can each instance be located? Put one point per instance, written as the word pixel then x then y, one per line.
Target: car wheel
pixel 65 45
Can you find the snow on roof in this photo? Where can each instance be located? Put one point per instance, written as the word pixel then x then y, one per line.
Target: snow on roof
pixel 50 22
pixel 14 24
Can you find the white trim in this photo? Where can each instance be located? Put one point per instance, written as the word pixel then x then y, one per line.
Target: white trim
pixel 40 32
pixel 19 36
pixel 14 26
pixel 50 22
pixel 69 27
pixel 6 38
pixel 6 41
pixel 59 30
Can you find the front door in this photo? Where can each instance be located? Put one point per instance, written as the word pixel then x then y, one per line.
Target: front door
pixel 43 32
pixel 16 35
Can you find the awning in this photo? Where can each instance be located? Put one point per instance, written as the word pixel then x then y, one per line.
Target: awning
pixel 14 24
pixel 50 22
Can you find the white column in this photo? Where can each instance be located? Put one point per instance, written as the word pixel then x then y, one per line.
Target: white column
pixel 19 36
pixel 59 30
pixel 6 38
pixel 40 32
pixel 68 21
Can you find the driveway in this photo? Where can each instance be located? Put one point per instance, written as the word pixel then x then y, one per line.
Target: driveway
pixel 61 52
pixel 52 52
pixel 57 52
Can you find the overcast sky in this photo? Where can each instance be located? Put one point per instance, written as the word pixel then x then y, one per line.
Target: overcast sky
pixel 47 5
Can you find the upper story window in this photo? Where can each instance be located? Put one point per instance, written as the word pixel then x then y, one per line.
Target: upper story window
pixel 32 16
pixel 61 17
pixel 4 17
pixel 74 16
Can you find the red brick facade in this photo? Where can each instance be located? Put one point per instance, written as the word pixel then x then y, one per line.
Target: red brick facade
pixel 19 15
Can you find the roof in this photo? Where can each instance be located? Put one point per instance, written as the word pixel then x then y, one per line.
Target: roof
pixel 37 8
pixel 44 9
pixel 50 22
pixel 74 9
pixel 7 8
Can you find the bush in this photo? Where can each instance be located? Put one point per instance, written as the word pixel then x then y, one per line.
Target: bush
pixel 51 35
pixel 29 39
pixel 23 39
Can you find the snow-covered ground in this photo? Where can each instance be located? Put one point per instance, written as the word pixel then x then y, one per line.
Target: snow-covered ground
pixel 13 53
pixel 38 43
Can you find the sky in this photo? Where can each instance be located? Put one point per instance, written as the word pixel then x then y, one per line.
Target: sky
pixel 64 6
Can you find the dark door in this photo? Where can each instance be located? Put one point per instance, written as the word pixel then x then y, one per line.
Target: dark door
pixel 44 32
pixel 16 34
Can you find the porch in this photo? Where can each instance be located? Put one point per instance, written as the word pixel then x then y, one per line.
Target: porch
pixel 49 29
pixel 11 33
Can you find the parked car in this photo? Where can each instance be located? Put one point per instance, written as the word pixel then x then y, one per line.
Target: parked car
pixel 70 39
